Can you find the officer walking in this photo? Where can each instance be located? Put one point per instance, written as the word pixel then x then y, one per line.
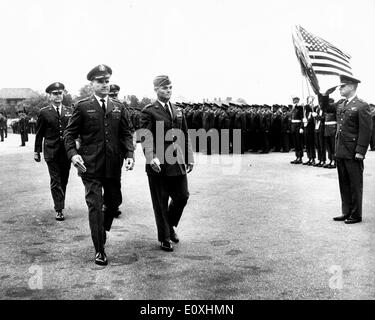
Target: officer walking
pixel 50 126
pixel 354 125
pixel 104 128
pixel 169 157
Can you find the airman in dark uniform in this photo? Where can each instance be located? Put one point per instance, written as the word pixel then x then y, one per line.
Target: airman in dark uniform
pixel 167 160
pixel 50 126
pixel 104 128
pixel 3 126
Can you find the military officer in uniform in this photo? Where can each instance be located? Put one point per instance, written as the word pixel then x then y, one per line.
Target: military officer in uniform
pixel 169 157
pixel 3 126
pixel 354 125
pixel 114 90
pixel 297 130
pixel 50 127
pixel 104 128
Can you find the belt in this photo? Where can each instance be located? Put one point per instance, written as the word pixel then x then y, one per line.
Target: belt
pixel 330 122
pixel 296 121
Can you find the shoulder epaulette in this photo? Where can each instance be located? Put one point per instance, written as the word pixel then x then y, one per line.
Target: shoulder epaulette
pixel 83 100
pixel 44 108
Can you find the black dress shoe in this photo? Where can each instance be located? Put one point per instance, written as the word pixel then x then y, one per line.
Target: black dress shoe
pixel 294 161
pixel 166 246
pixel 341 218
pixel 101 259
pixel 117 214
pixel 312 163
pixel 298 161
pixel 306 163
pixel 352 220
pixel 328 165
pixel 174 236
pixel 319 164
pixel 333 166
pixel 59 216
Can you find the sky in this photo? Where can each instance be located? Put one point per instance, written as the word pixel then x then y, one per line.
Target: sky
pixel 212 48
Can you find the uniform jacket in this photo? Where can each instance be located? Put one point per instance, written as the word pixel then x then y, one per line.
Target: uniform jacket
pixel 296 114
pixel 106 139
pixel 181 147
pixel 354 125
pixel 50 127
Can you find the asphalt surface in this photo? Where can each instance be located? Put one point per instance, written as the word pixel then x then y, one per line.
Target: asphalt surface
pixel 255 227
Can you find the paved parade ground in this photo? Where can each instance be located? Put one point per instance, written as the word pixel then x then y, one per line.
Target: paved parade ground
pixel 255 227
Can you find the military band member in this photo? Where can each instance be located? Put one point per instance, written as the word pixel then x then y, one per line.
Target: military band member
pixel 319 136
pixel 309 132
pixel 297 130
pixel 50 126
pixel 330 126
pixel 106 140
pixel 354 125
pixel 167 175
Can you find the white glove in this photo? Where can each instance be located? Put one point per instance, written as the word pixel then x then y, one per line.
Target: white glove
pixel 301 130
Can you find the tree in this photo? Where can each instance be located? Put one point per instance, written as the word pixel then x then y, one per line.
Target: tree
pixel 84 92
pixel 34 104
pixel 144 102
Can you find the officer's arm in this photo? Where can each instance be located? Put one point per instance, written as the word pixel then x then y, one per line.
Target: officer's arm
pixel 145 135
pixel 40 132
pixel 365 130
pixel 72 131
pixel 189 158
pixel 126 134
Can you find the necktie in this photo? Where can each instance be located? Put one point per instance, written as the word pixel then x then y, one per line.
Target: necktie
pixel 103 104
pixel 345 102
pixel 57 109
pixel 167 109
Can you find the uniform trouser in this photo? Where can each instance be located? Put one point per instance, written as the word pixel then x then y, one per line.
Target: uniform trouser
pixel 350 174
pixel 59 175
pixel 298 143
pixel 310 143
pixel 2 134
pixel 23 139
pixel 99 219
pixel 285 146
pixel 372 144
pixel 330 146
pixel 167 216
pixel 320 145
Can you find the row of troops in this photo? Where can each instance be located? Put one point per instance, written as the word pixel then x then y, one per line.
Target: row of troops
pixel 264 128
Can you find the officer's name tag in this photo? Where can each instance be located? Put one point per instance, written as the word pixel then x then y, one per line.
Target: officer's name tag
pixel 68 114
pixel 116 109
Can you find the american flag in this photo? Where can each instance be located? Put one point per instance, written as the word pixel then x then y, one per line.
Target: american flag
pixel 325 58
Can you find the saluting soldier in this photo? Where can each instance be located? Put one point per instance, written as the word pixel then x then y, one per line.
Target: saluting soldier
pixel 309 131
pixel 50 126
pixel 354 125
pixel 167 160
pixel 106 140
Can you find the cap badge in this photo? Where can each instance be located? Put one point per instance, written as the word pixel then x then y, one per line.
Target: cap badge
pixel 101 68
